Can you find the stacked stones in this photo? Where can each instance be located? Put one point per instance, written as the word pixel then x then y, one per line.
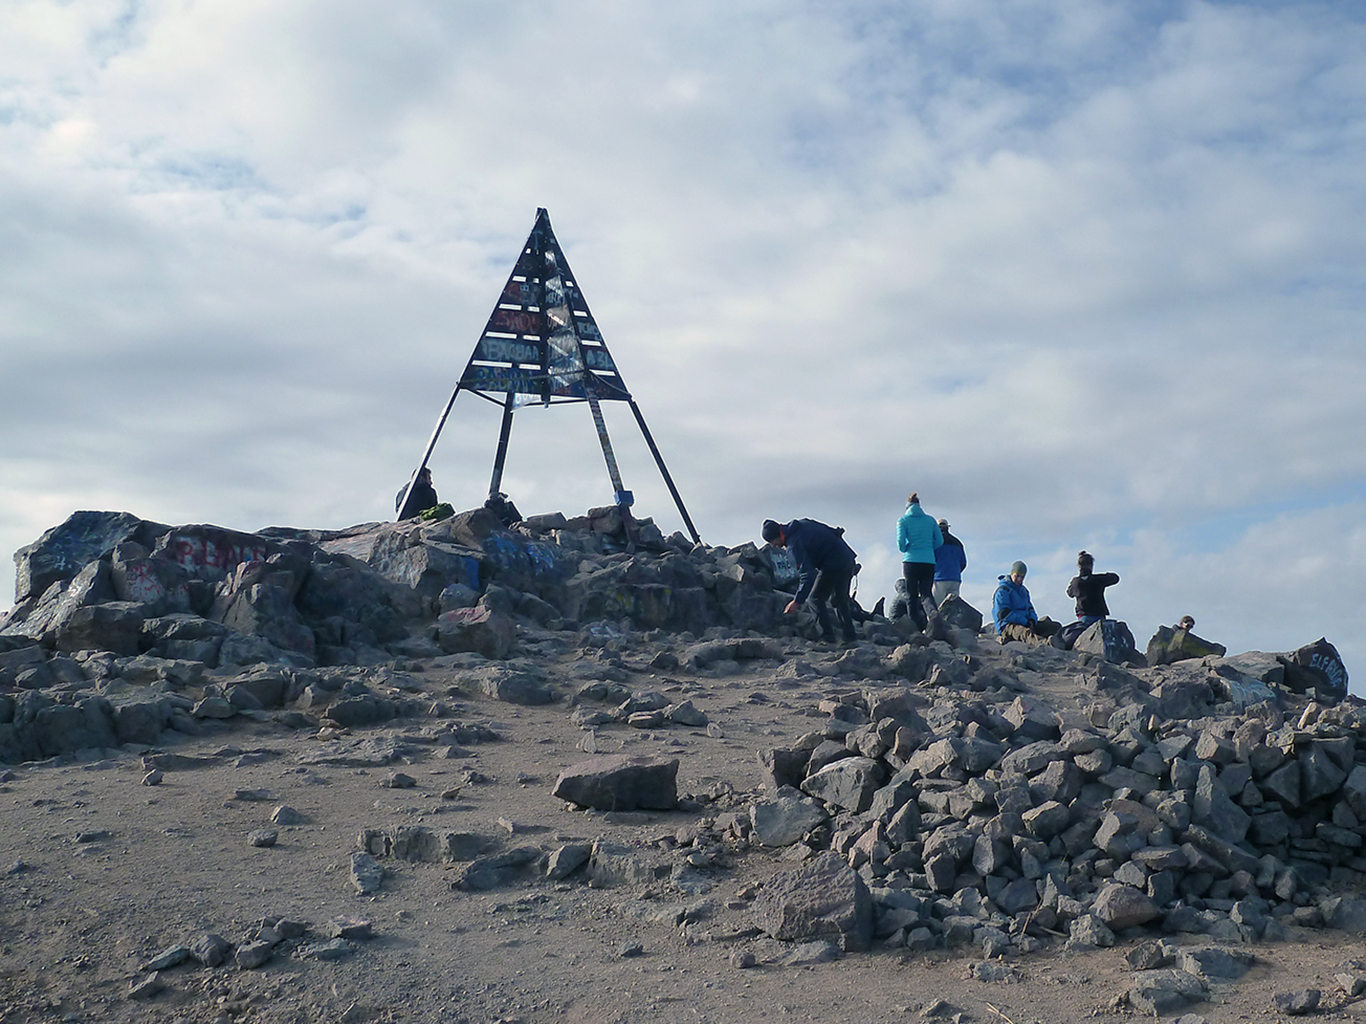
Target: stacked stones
pixel 994 824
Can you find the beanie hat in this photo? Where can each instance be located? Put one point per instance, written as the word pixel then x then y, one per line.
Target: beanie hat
pixel 1019 567
pixel 772 531
pixel 943 524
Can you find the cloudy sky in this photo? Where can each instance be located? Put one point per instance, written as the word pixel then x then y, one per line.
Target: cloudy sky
pixel 1083 274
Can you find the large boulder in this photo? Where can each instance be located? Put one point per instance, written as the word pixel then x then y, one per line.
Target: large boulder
pixel 958 613
pixel 785 819
pixel 1169 644
pixel 824 899
pixel 1122 906
pixel 478 629
pixel 113 626
pixel 63 551
pixel 620 783
pixel 1110 639
pixel 848 783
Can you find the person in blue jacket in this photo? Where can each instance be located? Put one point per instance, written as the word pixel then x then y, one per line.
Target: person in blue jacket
pixel 825 568
pixel 949 562
pixel 1014 612
pixel 918 536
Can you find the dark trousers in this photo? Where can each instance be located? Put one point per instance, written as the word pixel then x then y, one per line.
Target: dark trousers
pixel 833 585
pixel 919 589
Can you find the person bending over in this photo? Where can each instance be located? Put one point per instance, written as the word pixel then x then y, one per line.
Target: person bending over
pixel 825 568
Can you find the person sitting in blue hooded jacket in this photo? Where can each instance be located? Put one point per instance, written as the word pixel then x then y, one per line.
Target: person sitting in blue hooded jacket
pixel 1014 613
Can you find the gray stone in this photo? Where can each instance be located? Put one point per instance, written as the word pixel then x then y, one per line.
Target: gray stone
pixel 146 988
pixel 252 955
pixel 348 927
pixel 210 949
pixel 685 713
pixel 822 899
pixel 567 859
pixel 1021 894
pixel 333 949
pixel 1089 930
pixel 1031 758
pixel 1109 639
pixel 1123 906
pixel 286 815
pixel 480 630
pixel 1060 781
pixel 1298 1002
pixel 1047 820
pixel 1164 991
pixel 496 870
pixel 785 820
pixel 528 689
pixel 1320 775
pixel 620 783
pixel 1347 913
pixel 1215 962
pixel 113 626
pixel 992 970
pixel 1284 785
pixel 367 874
pixel 848 783
pixel 1215 811
pixel 169 957
pixel 64 550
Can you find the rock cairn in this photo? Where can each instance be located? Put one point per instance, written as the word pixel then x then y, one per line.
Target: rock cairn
pixel 1169 804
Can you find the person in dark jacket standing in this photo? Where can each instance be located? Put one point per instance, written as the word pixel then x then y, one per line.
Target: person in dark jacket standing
pixel 825 568
pixel 949 562
pixel 422 495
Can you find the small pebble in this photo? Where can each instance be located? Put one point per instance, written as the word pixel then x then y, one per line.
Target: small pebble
pixel 399 780
pixel 152 778
pixel 627 949
pixel 263 837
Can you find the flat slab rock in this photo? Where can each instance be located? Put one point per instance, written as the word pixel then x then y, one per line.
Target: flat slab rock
pixel 620 783
pixel 824 899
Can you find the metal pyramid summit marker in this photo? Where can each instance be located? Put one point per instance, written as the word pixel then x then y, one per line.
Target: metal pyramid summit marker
pixel 541 343
pixel 541 340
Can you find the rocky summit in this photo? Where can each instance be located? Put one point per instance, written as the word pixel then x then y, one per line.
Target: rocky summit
pixel 948 794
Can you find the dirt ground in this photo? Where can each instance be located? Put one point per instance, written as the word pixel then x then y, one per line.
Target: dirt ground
pixel 101 872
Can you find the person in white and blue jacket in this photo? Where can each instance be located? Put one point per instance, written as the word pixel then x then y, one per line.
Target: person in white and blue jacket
pixel 918 536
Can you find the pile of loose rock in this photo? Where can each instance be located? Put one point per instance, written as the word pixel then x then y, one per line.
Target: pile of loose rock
pixel 271 937
pixel 997 823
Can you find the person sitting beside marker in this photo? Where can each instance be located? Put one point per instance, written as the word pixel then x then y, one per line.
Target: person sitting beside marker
pixel 421 496
pixel 1014 612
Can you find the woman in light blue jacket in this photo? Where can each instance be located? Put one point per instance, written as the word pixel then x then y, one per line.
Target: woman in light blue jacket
pixel 918 536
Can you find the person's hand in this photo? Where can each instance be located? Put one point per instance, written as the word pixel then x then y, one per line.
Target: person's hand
pixel 791 608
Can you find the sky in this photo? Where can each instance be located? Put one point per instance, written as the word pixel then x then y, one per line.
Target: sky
pixel 1082 273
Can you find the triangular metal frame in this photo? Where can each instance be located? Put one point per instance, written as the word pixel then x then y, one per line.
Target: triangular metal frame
pixel 541 343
